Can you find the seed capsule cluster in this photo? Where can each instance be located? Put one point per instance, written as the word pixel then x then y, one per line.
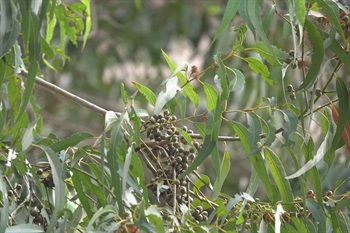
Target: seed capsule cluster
pixel 344 21
pixel 170 154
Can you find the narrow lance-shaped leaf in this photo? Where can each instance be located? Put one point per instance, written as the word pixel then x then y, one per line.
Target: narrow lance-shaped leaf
pixel 290 124
pixel 278 173
pixel 259 68
pixel 321 152
pixel 211 96
pixel 208 146
pixel 316 57
pixel 87 20
pixel 146 92
pixel 342 54
pixel 230 12
pixel 343 116
pixel 237 83
pixel 264 51
pixel 165 96
pixel 254 130
pixel 60 195
pixel 189 91
pixel 346 133
pixel 224 170
pixel 222 76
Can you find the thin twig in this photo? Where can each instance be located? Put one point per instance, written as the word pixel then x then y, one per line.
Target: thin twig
pixel 76 99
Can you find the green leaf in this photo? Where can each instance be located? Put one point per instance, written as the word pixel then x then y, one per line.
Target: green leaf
pixel 224 170
pixel 9 26
pixel 237 83
pixel 208 146
pixel 34 52
pixel 259 166
pixel 321 152
pixel 123 94
pixel 112 159
pixel 242 133
pixel 300 12
pixel 278 173
pixel 316 57
pixel 254 130
pixel 126 167
pixel 274 59
pixel 222 77
pixel 81 193
pixel 230 12
pixel 258 67
pixel 165 96
pixel 317 214
pixel 342 54
pixel 211 96
pixel 5 205
pixel 189 91
pixel 60 189
pixel 87 20
pixel 28 136
pixel 202 180
pixel 290 125
pixel 101 212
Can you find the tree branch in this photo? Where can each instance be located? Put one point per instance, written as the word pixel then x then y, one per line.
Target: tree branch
pixel 93 107
pixel 74 98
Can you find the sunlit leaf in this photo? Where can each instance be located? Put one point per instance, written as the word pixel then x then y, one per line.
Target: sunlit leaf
pixel 81 193
pixel 87 20
pixel 316 57
pixel 275 59
pixel 146 92
pixel 28 136
pixel 211 96
pixel 189 91
pixel 165 96
pixel 259 68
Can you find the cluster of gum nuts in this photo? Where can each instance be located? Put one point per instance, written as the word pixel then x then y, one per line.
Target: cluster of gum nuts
pixel 171 155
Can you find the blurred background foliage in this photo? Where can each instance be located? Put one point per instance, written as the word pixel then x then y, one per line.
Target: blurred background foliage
pixel 125 46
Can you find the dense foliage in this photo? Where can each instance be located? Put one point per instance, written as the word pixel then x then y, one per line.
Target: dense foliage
pixel 164 168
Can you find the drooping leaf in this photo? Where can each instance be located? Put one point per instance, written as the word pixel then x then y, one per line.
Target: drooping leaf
pixel 221 72
pixel 300 11
pixel 5 208
pixel 343 116
pixel 208 146
pixel 9 26
pixel 321 152
pixel 28 136
pixel 224 170
pixel 230 12
pixel 342 54
pixel 211 96
pixel 254 130
pixel 242 133
pixel 81 193
pixel 316 57
pixel 259 68
pixel 236 83
pixel 290 124
pixel 317 214
pixel 165 96
pixel 146 92
pixel 278 173
pixel 60 189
